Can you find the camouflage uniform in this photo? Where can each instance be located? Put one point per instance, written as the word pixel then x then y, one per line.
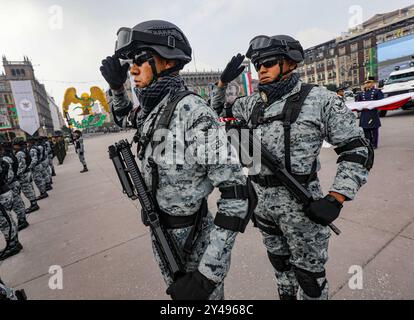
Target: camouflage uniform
pixel 51 155
pixel 299 242
pixel 80 150
pixel 184 186
pixel 44 165
pixel 18 205
pixel 25 176
pixel 37 169
pixel 6 200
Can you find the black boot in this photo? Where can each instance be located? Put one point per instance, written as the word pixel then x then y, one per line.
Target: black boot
pixel 85 169
pixel 42 196
pixel 33 207
pixel 22 224
pixel 13 249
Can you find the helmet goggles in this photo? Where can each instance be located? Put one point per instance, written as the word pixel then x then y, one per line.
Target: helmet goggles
pixel 129 39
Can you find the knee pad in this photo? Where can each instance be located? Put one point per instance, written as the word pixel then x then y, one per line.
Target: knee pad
pixel 308 282
pixel 280 263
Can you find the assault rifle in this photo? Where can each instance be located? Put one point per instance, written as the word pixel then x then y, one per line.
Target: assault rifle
pixel 278 170
pixel 134 186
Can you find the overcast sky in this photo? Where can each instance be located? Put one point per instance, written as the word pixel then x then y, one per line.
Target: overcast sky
pixel 71 49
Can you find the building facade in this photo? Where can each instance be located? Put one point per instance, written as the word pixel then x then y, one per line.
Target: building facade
pixel 350 59
pixel 23 70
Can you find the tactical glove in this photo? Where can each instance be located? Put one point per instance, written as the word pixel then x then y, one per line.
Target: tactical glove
pixel 192 286
pixel 324 211
pixel 114 73
pixel 233 69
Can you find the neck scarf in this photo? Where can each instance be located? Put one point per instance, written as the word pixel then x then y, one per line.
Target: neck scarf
pixel 275 90
pixel 149 97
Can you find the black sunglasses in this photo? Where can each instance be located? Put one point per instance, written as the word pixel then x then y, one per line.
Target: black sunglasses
pixel 267 63
pixel 141 58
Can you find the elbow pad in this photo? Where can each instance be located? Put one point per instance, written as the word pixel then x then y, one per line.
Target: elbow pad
pixel 367 162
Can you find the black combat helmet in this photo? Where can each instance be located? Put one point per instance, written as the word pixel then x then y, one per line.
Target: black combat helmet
pixel 282 45
pixel 163 37
pixel 19 141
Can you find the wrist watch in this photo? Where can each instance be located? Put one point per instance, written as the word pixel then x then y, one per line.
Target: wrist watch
pixel 334 201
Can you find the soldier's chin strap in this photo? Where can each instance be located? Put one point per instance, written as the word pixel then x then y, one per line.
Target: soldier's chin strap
pixel 156 75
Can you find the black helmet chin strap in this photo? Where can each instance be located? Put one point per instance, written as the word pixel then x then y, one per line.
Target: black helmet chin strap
pixel 282 74
pixel 156 75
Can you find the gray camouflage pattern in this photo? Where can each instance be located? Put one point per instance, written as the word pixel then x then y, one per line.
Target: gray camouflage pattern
pixel 25 177
pixel 18 205
pixel 43 165
pixel 323 117
pixel 81 151
pixel 6 200
pixel 183 185
pixel 37 170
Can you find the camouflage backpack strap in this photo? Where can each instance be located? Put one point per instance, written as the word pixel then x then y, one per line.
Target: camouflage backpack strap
pixel 163 123
pixel 289 115
pixel 172 222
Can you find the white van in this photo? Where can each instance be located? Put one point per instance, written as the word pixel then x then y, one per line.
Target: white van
pixel 400 82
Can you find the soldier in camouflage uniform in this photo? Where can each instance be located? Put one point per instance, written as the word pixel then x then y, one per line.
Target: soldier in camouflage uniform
pixel 296 237
pixel 7 293
pixel 44 161
pixel 7 225
pixel 36 167
pixel 24 174
pixel 80 149
pixel 50 144
pixel 181 188
pixel 18 206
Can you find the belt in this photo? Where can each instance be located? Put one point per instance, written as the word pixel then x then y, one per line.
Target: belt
pixel 270 181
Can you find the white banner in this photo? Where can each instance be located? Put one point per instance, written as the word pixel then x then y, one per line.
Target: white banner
pixel 25 106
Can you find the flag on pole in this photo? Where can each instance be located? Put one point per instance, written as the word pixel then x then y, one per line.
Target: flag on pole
pixel 247 83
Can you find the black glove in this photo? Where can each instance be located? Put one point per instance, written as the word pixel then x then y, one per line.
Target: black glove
pixel 114 73
pixel 233 69
pixel 192 286
pixel 324 211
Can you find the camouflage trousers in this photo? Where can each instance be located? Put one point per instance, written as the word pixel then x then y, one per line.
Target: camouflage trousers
pixel 47 172
pixel 179 236
pixel 82 158
pixel 27 186
pixel 300 244
pixel 18 205
pixel 38 178
pixel 9 231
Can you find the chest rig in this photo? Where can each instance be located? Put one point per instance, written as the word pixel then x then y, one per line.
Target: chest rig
pixel 289 115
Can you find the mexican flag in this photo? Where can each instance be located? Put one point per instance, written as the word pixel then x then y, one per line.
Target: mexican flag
pixel 247 83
